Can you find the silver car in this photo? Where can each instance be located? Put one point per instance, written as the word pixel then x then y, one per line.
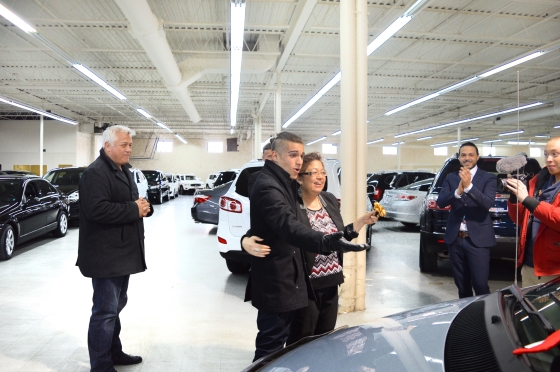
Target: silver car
pixel 470 334
pixel 404 204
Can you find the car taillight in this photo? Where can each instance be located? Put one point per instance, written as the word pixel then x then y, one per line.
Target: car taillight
pixel 222 240
pixel 230 205
pixel 405 197
pixel 377 194
pixel 431 204
pixel 201 198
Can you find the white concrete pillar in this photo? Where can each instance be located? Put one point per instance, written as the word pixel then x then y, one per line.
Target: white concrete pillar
pixel 257 138
pixel 278 105
pixel 41 135
pixel 353 88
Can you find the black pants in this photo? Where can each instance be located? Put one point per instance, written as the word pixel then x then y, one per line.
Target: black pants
pixel 273 332
pixel 318 317
pixel 470 266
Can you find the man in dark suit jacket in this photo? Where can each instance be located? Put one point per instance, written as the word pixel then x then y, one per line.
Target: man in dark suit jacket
pixel 266 155
pixel 469 233
pixel 111 244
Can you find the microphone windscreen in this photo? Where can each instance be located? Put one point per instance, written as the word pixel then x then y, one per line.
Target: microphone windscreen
pixel 511 163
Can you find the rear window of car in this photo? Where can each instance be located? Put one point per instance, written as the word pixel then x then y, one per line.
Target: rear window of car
pixel 416 185
pixel 242 185
pixel 225 177
pixel 65 177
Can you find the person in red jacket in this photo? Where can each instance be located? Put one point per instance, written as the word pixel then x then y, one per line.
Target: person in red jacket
pixel 537 212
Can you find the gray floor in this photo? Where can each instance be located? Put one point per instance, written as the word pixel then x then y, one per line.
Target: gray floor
pixel 186 312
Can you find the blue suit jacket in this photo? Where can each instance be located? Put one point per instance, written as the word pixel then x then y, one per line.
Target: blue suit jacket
pixel 474 206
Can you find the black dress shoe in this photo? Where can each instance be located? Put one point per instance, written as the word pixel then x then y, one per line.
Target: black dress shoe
pixel 126 359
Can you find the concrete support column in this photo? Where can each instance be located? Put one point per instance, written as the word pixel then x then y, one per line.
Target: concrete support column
pixel 257 138
pixel 278 105
pixel 353 88
pixel 41 135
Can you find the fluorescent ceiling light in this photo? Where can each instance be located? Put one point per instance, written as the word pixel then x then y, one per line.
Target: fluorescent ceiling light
pixel 541 136
pixel 388 32
pixel 458 85
pixel 451 142
pixel 237 29
pixel 511 64
pixel 10 16
pixel 521 142
pixel 520 108
pixel 423 138
pixel 414 6
pixel 39 111
pixel 336 133
pixel 164 126
pixel 511 133
pixel 490 141
pixel 314 99
pixel 181 138
pixel 84 70
pixel 396 143
pixel 558 126
pixel 412 103
pixel 470 139
pixel 374 141
pixel 143 113
pixel 317 140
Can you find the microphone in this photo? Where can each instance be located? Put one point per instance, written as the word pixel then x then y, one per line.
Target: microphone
pixel 511 164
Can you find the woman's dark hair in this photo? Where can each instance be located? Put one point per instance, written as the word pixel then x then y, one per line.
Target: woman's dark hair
pixel 308 158
pixel 279 143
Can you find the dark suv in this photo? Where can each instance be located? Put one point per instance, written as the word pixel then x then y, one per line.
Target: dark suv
pixel 158 187
pixel 433 220
pixel 377 183
pixel 67 180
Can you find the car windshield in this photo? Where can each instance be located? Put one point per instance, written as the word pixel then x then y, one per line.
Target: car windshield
pixel 9 191
pixel 65 177
pixel 151 176
pixel 531 315
pixel 190 178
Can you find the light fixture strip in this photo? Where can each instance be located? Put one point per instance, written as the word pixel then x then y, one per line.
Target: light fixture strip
pixel 161 125
pixel 511 133
pixel 180 138
pixel 39 111
pixel 144 113
pixel 336 133
pixel 16 20
pixel 520 108
pixel 423 138
pixel 84 70
pixel 237 24
pixel 317 140
pixel 374 141
pixel 512 63
pixel 491 141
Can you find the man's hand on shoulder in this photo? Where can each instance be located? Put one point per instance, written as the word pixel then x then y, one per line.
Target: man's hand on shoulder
pixel 143 207
pixel 335 242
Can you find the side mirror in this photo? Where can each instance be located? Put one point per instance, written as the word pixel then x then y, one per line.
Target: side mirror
pixel 425 188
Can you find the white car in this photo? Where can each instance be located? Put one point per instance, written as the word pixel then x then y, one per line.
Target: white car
pixel 234 216
pixel 189 183
pixel 211 179
pixel 141 182
pixel 173 184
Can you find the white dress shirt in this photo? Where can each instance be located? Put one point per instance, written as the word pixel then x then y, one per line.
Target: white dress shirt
pixel 473 172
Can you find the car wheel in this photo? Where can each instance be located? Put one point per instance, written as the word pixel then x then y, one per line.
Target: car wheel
pixel 61 226
pixel 7 243
pixel 428 261
pixel 237 267
pixel 177 194
pixel 160 197
pixel 181 190
pixel 409 224
pixel 207 186
pixel 167 197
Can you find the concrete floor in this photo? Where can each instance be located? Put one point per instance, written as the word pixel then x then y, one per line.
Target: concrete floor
pixel 186 312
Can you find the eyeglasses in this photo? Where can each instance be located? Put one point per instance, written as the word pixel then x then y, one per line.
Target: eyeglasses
pixel 315 173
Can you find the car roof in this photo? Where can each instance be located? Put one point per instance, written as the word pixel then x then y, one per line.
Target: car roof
pixel 17 176
pixel 66 168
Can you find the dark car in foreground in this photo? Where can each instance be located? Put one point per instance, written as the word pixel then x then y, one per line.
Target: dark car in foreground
pixel 433 220
pixel 206 204
pixel 67 180
pixel 158 187
pixel 377 183
pixel 29 207
pixel 470 334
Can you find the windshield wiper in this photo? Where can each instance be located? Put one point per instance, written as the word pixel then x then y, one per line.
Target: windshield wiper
pixel 531 311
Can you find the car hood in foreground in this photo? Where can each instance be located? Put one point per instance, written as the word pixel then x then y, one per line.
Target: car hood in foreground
pixel 408 341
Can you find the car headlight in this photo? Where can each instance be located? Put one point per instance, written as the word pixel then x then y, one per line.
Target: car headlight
pixel 73 197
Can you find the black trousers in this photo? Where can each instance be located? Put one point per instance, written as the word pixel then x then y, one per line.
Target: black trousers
pixel 273 332
pixel 470 266
pixel 318 317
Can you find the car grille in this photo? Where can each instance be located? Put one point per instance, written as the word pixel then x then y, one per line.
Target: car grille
pixel 468 346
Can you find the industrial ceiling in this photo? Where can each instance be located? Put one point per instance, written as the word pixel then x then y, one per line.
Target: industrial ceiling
pixel 180 74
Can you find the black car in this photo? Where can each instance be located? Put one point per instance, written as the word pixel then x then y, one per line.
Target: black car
pixel 67 180
pixel 225 177
pixel 433 220
pixel 206 205
pixel 377 183
pixel 29 207
pixel 158 187
pixel 17 173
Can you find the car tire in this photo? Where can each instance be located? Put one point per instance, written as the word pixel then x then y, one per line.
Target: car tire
pixel 181 190
pixel 159 199
pixel 207 186
pixel 167 197
pixel 409 224
pixel 428 261
pixel 7 243
pixel 236 267
pixel 61 225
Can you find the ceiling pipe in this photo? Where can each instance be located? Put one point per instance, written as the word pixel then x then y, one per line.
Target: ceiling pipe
pixel 149 32
pixel 530 115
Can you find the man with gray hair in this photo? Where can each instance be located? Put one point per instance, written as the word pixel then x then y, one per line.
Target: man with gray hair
pixel 111 243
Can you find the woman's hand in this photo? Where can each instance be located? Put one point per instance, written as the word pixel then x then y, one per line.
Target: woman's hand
pixel 367 219
pixel 250 245
pixel 518 188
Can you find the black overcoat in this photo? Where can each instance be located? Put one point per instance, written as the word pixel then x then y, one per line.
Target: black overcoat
pixel 111 235
pixel 279 282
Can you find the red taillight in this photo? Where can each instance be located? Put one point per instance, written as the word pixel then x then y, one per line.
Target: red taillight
pixel 201 198
pixel 230 205
pixel 441 241
pixel 377 194
pixel 431 204
pixel 222 240
pixel 405 197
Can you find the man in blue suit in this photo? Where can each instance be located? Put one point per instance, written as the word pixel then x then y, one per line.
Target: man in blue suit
pixel 469 233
